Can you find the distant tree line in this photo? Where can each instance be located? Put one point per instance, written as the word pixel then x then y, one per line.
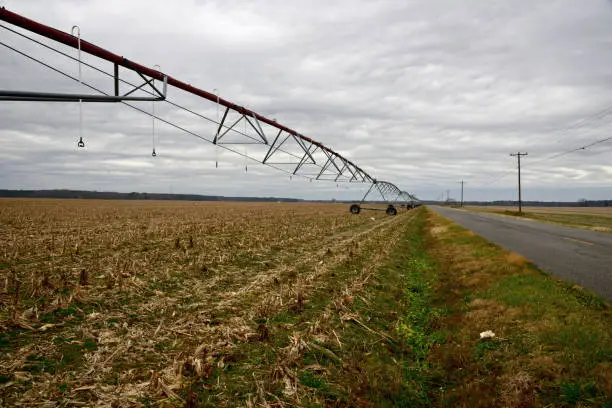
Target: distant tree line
pixel 579 203
pixel 100 195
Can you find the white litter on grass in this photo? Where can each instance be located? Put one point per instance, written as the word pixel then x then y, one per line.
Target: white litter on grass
pixel 373 219
pixel 487 335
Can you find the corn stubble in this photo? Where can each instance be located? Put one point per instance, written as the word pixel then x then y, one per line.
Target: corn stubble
pixel 118 303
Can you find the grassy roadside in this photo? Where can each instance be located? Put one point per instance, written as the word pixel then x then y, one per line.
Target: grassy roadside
pixel 593 222
pixel 553 341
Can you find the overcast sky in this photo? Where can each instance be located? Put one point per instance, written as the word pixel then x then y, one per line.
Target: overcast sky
pixel 419 93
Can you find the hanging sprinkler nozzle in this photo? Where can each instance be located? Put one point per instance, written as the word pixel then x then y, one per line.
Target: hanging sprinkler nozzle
pixel 77 29
pixel 153 116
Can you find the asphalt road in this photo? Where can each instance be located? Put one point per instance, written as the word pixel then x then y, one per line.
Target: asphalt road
pixel 576 255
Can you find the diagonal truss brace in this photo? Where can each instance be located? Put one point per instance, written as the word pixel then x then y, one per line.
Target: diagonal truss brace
pixel 386 190
pixel 29 96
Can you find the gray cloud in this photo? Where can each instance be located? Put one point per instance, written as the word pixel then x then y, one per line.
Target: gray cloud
pixel 422 94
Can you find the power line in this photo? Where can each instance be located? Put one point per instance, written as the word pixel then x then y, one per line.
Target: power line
pixel 498 178
pixel 554 156
pixel 585 121
pixel 576 149
pixel 607 111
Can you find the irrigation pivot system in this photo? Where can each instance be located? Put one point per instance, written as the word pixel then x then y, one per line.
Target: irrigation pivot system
pixel 232 128
pixel 390 194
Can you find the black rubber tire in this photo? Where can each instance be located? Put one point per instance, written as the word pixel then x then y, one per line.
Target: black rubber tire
pixel 355 209
pixel 391 210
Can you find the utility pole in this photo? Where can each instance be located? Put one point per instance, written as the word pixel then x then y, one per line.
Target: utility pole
pixel 518 156
pixel 462 182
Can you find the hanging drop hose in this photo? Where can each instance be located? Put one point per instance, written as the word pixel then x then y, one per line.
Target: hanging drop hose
pixel 154 154
pixel 216 92
pixel 80 143
pixel 245 147
pixel 153 132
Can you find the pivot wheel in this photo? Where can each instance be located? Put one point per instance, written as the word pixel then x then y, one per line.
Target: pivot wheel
pixel 391 210
pixel 355 209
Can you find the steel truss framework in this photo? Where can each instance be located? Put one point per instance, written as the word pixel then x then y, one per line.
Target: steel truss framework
pixel 390 193
pixel 271 143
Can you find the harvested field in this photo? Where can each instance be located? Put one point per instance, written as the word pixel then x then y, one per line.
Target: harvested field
pixel 155 303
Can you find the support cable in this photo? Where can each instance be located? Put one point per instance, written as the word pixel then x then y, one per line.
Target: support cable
pixel 174 125
pixel 255 140
pixel 66 39
pixel 157 117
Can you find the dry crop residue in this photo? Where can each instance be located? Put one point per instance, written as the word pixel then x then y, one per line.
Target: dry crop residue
pixel 115 302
